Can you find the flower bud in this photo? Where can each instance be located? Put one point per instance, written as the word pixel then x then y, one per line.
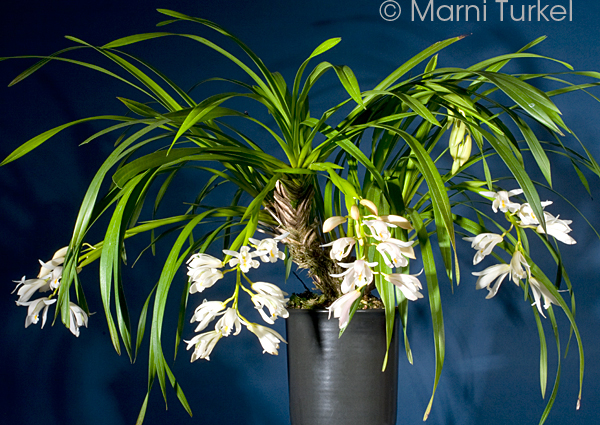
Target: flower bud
pixel 370 205
pixel 456 138
pixel 332 222
pixel 354 213
pixel 463 154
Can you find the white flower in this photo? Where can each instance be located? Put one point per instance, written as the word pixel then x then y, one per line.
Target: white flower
pixel 341 307
pixel 269 289
pixel 204 344
pixel 340 248
pixel 557 228
pixel 398 252
pixel 370 205
pixel 228 321
pixel 54 276
pixel 48 278
pixel 275 305
pixel 206 312
pixel 539 290
pixel 203 273
pixel 516 267
pixel 268 338
pixel 57 259
pixel 78 318
pixel 500 271
pixel 487 276
pixel 397 220
pixel 332 222
pixel 501 200
pixel 379 229
pixel 484 243
pixel 26 289
pixel 380 226
pixel 408 284
pixel 269 249
pixel 243 258
pixel 527 216
pixel 201 260
pixel 357 275
pixel 202 278
pixel 36 307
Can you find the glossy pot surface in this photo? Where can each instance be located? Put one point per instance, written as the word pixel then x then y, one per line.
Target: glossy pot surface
pixel 336 380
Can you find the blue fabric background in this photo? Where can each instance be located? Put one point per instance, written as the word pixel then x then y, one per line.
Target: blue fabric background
pixel 492 359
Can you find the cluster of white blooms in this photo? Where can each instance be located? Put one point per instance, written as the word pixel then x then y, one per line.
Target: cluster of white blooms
pixel 359 274
pixel 518 268
pixel 48 279
pixel 204 271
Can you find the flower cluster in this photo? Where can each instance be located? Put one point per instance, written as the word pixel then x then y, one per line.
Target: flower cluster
pixel 205 270
pixel 48 279
pixel 369 230
pixel 518 269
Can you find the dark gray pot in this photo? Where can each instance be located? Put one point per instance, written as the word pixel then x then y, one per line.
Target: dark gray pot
pixel 338 381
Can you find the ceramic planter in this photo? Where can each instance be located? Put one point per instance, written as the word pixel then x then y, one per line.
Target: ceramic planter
pixel 337 381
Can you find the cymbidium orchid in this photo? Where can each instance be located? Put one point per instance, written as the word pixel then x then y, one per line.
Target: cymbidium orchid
pixel 501 201
pixel 540 291
pixel 244 258
pixel 484 243
pixel 497 272
pixel 341 307
pixel 202 271
pixel 202 278
pixel 228 321
pixel 392 254
pixel 518 269
pixel 205 313
pixel 57 259
pixel 370 205
pixel 408 284
pixel 357 275
pixel 308 171
pixel 333 222
pixel 35 308
pixel 268 338
pixel 78 318
pixel 49 279
pixel 270 248
pixel 275 305
pixel 27 287
pixel 340 248
pixel 201 260
pixel 204 343
pixel 397 220
pixel 269 289
pixel 527 216
pixel 380 229
pixel 557 228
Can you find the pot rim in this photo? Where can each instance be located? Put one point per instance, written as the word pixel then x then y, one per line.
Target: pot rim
pixel 324 310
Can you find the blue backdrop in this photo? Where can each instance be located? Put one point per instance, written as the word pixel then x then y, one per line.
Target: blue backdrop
pixel 492 359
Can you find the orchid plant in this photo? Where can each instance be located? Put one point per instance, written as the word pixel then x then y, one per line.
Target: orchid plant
pixel 406 165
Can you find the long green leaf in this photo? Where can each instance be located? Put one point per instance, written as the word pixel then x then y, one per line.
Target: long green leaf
pixel 435 302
